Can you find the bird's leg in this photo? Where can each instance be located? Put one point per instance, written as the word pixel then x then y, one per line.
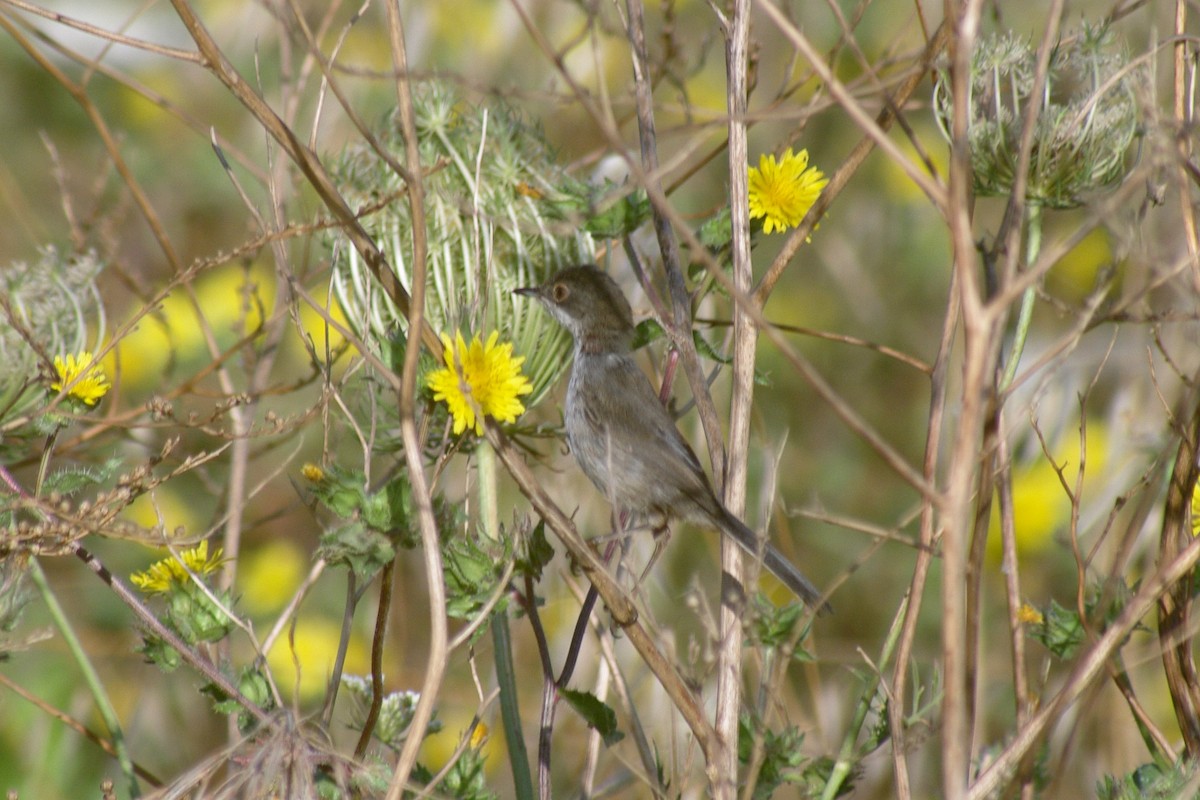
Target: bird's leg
pixel 622 538
pixel 662 535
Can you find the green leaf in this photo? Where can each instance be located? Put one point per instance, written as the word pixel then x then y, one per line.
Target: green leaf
pixel 717 231
pixel 708 351
pixel 783 761
pixel 159 653
pixel 608 210
pixel 536 552
pixel 598 716
pixel 1151 781
pixel 252 684
pixel 620 218
pixel 340 490
pixel 70 480
pixel 646 332
pixel 1060 631
pixel 772 625
pixel 355 545
pixel 473 566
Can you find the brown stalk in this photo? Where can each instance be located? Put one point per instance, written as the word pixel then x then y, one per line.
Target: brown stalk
pixel 745 337
pixel 1175 627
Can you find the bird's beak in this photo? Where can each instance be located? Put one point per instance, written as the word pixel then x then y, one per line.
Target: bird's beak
pixel 529 291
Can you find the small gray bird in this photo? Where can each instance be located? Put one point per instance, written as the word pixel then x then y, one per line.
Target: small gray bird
pixel 622 437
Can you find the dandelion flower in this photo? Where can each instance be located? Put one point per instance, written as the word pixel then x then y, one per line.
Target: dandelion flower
pixel 782 192
pixel 161 575
pixel 83 375
pixel 479 735
pixel 478 380
pixel 1028 615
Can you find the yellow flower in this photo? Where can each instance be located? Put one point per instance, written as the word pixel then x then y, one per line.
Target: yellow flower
pixel 312 473
pixel 1028 615
pixel 479 735
pixel 162 574
pixel 782 192
pixel 83 375
pixel 483 379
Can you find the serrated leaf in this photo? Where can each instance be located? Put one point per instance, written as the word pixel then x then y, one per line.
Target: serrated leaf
pixel 70 480
pixel 647 331
pixel 354 544
pixel 621 218
pixel 536 553
pixel 597 714
pixel 717 231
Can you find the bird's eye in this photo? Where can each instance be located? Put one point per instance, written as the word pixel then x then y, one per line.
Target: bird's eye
pixel 561 292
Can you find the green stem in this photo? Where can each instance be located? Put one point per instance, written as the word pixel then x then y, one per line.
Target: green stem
pixel 1033 245
pixel 846 756
pixel 510 712
pixel 489 506
pixel 90 676
pixel 99 694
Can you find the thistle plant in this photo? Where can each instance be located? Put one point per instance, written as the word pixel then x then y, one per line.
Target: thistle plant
pixel 46 308
pixel 489 226
pixel 1087 119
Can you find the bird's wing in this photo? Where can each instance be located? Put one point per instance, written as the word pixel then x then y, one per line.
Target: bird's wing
pixel 631 401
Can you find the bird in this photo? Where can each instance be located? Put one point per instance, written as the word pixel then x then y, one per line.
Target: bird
pixel 622 436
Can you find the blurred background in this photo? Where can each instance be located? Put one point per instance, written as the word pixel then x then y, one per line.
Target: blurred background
pixel 199 316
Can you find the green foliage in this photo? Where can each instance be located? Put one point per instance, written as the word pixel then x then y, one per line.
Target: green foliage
pixel 646 332
pixel 535 552
pixel 355 545
pixel 376 522
pixel 14 596
pixel 1062 631
pixel 598 715
pixel 45 311
pixel 195 617
pixel 1151 781
pixel 253 685
pixel 69 480
pixel 772 625
pixel 159 653
pixel 465 780
pixel 1088 114
pixel 395 712
pixel 716 232
pixel 608 210
pixel 783 762
pixel 473 566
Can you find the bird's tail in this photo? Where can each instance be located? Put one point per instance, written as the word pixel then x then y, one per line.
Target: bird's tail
pixel 774 561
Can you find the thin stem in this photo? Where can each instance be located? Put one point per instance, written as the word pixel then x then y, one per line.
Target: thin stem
pixel 339 658
pixel 745 338
pixel 510 709
pixel 845 758
pixel 378 645
pixel 90 676
pixel 1033 225
pixel 502 646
